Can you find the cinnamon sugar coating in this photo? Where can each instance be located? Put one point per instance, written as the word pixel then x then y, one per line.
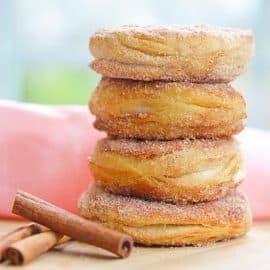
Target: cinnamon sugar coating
pixel 173 171
pixel 168 171
pixel 160 223
pixel 194 53
pixel 167 110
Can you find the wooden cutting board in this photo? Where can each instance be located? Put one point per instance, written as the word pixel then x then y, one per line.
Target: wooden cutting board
pixel 249 252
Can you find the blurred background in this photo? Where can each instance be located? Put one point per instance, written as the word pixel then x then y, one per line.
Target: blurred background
pixel 44 44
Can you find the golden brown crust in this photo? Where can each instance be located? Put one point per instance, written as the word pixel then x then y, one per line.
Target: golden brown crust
pixel 197 53
pixel 141 149
pixel 173 171
pixel 160 223
pixel 154 130
pixel 167 110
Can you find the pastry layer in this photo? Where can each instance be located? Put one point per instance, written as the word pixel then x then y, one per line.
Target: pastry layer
pixel 195 53
pixel 159 223
pixel 173 171
pixel 160 110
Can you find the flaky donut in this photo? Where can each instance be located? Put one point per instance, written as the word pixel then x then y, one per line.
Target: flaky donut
pixel 167 110
pixel 158 223
pixel 173 171
pixel 195 53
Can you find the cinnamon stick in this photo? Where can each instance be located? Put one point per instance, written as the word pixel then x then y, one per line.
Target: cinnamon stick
pixel 26 250
pixel 18 234
pixel 66 223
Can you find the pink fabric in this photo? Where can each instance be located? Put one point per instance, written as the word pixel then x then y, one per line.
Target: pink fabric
pixel 255 146
pixel 44 151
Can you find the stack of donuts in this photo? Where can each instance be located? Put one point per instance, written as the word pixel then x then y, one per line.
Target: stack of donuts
pixel 167 172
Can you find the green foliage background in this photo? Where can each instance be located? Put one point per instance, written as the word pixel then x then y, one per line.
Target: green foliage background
pixel 58 85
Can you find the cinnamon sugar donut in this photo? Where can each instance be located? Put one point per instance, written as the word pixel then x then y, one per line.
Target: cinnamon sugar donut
pixel 173 171
pixel 167 110
pixel 159 223
pixel 194 53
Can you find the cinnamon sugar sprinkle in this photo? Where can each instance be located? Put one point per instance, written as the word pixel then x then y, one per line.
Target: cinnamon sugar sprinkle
pixel 176 30
pixel 232 209
pixel 151 148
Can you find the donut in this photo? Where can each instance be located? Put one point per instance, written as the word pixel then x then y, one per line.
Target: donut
pixel 178 171
pixel 193 53
pixel 158 223
pixel 167 110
